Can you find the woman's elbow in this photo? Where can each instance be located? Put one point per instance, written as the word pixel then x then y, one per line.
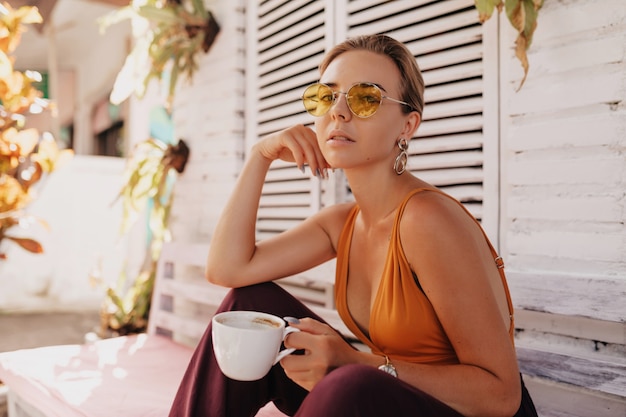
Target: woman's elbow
pixel 217 277
pixel 510 400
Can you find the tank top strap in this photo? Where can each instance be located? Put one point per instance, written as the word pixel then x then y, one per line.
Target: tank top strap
pixel 496 257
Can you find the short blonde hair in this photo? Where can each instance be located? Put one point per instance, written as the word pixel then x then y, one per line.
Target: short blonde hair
pixel 411 81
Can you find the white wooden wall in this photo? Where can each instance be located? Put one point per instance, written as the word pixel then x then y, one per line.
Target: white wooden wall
pixel 560 139
pixel 564 142
pixel 209 116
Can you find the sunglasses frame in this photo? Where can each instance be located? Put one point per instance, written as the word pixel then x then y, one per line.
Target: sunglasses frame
pixel 336 95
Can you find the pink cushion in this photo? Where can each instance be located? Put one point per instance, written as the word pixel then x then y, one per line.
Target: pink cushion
pixel 270 410
pixel 125 376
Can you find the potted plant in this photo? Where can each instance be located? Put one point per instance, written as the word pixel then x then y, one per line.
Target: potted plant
pixel 175 31
pixel 148 188
pixel 26 156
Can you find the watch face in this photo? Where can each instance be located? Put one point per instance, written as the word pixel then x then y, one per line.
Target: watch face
pixel 389 369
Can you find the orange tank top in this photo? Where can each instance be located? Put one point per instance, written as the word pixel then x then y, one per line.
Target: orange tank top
pixel 403 324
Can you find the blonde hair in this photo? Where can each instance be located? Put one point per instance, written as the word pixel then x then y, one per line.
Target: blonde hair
pixel 411 81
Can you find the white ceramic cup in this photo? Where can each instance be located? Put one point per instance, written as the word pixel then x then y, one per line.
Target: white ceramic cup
pixel 247 343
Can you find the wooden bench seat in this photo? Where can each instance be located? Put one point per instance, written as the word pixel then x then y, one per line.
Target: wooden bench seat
pixel 127 376
pixel 571 343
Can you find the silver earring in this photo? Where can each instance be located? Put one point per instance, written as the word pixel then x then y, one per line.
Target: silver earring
pixel 399 166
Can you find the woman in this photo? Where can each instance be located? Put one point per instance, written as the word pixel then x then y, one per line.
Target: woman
pixel 417 280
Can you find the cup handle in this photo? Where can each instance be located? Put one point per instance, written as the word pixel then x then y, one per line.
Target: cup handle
pixel 289 351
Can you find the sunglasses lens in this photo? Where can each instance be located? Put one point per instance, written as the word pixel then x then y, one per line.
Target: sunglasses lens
pixel 364 99
pixel 318 99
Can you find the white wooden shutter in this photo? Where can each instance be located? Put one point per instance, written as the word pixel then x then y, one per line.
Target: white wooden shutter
pixel 290 38
pixel 446 38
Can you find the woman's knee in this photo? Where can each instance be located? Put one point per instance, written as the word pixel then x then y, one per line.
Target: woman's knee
pixel 344 391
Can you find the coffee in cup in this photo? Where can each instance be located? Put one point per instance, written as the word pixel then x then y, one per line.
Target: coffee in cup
pixel 247 343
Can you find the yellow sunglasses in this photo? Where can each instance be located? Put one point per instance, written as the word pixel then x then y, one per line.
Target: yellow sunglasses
pixel 363 99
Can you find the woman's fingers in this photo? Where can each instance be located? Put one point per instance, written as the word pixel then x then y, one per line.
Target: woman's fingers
pixel 296 144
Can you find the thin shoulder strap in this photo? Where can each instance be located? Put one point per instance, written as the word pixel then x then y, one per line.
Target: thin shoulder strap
pixel 496 257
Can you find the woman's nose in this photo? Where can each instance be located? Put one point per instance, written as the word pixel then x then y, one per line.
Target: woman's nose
pixel 340 106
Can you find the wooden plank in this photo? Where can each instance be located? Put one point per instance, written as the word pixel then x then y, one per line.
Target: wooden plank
pixel 599 298
pixel 273 10
pixel 572 326
pixel 276 225
pixel 204 293
pixel 458 159
pixel 188 253
pixel 462 124
pixel 291 172
pixel 595 246
pixel 186 326
pixel 590 208
pixel 275 27
pixel 401 12
pixel 287 212
pixel 284 187
pixel 603 84
pixel 358 6
pixel 291 88
pixel 279 200
pixel 424 29
pixel 596 126
pixel 452 73
pixel 452 176
pixel 447 40
pixel 461 88
pixel 602 376
pixel 450 58
pixel 285 48
pixel 306 58
pixel 270 126
pixel 560 400
pixel 454 108
pixel 447 143
pixel 591 170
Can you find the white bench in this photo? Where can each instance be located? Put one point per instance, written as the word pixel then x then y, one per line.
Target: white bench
pixel 126 376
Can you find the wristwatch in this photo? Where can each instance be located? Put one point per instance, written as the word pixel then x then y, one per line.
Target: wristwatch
pixel 388 367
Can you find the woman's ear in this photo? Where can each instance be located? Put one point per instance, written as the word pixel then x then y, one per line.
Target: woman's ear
pixel 413 121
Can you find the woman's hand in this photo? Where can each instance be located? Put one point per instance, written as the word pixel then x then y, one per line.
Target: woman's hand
pixel 324 350
pixel 295 144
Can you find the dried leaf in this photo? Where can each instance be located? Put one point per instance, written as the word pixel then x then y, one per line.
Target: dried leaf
pixel 29 244
pixel 523 16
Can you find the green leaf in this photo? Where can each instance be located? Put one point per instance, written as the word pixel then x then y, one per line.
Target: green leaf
pixel 198 6
pixel 160 15
pixel 114 17
pixel 485 8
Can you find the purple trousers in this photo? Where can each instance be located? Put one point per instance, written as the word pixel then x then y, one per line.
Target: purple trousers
pixel 352 390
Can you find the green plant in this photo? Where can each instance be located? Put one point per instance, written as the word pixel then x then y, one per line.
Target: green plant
pixel 25 156
pixel 148 187
pixel 175 31
pixel 523 16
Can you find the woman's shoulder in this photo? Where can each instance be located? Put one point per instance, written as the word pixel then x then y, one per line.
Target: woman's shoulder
pixel 433 210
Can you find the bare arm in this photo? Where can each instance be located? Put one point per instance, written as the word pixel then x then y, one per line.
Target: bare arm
pixel 456 269
pixel 235 258
pixel 454 266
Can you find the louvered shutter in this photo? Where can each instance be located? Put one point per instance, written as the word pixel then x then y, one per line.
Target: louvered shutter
pixel 446 38
pixel 289 42
pixel 288 39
